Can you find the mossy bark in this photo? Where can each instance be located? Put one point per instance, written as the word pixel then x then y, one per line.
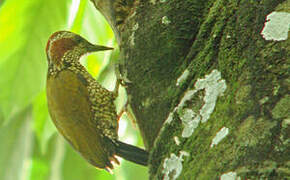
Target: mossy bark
pixel 160 39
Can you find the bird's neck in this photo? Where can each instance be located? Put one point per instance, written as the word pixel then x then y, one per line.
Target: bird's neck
pixel 69 59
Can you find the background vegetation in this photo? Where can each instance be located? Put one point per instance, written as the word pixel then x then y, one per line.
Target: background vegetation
pixel 30 147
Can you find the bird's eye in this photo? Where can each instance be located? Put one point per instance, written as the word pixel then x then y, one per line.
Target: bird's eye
pixel 78 39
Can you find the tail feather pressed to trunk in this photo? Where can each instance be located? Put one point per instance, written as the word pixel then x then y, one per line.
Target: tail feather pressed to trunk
pixel 132 153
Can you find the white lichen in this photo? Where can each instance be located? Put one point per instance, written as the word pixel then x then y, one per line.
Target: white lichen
pixel 276 26
pixel 214 87
pixel 163 1
pixel 165 20
pixel 172 166
pixel 169 118
pixel 184 153
pixel 187 96
pixel 176 140
pixel 230 176
pixel 219 136
pixel 182 78
pixel 190 121
pixel 132 36
pixel 153 2
pixel 132 39
pixel 135 27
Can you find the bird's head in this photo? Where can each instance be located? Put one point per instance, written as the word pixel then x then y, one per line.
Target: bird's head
pixel 62 42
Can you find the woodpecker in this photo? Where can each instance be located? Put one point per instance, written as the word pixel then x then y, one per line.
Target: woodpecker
pixel 82 110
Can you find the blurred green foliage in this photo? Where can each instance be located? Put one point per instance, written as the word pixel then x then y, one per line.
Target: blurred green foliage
pixel 30 147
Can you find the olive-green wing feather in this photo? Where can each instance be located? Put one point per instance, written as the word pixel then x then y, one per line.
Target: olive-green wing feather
pixel 70 109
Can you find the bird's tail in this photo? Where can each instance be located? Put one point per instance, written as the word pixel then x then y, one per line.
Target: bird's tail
pixel 132 153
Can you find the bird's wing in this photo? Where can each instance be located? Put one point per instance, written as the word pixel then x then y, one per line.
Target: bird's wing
pixel 71 110
pixel 105 116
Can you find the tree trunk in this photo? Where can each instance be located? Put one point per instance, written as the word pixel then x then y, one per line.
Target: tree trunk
pixel 209 90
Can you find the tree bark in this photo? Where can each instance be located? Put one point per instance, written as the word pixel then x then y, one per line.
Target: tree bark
pixel 205 69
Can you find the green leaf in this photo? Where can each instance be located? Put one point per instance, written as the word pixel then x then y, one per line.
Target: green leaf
pixel 28 25
pixel 16 146
pixel 39 169
pixel 79 17
pixel 43 126
pixel 96 29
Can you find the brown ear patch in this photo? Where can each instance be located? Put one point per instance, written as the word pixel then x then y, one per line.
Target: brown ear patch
pixel 59 47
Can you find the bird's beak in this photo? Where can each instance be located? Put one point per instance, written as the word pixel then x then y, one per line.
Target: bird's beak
pixel 93 48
